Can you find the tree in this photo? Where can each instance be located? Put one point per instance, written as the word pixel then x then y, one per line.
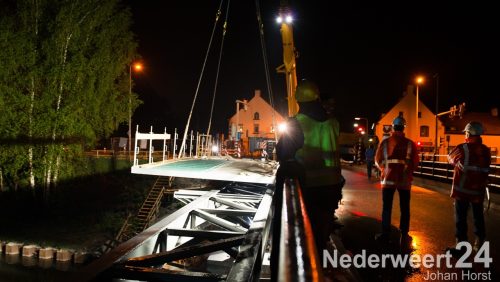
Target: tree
pixel 62 84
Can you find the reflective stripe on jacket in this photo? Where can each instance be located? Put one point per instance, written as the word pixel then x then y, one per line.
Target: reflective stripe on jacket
pixel 396 158
pixel 319 155
pixel 472 165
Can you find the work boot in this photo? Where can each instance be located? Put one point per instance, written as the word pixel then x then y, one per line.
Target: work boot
pixel 478 244
pixel 383 237
pixel 406 242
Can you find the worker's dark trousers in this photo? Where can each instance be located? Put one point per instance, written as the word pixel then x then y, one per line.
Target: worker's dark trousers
pixel 369 167
pixel 321 203
pixel 461 210
pixel 404 206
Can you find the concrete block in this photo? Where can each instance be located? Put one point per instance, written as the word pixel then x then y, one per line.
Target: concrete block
pixel 12 248
pixel 30 250
pixel 46 253
pixel 64 255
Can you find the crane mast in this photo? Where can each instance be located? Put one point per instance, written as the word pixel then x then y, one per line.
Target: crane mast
pixel 289 64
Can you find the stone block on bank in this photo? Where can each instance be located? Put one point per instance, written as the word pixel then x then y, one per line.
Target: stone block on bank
pixel 30 250
pixel 64 255
pixel 46 253
pixel 13 248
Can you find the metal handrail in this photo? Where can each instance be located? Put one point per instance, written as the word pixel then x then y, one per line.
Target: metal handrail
pixel 430 166
pixel 298 258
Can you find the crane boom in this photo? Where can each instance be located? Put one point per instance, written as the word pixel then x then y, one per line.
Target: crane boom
pixel 289 64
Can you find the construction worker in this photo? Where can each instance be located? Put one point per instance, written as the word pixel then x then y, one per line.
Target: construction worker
pixel 370 160
pixel 471 161
pixel 397 158
pixel 319 158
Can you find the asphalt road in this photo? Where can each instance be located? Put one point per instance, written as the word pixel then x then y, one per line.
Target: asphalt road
pixel 431 226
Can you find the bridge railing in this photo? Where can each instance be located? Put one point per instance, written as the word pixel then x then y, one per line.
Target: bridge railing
pixel 298 258
pixel 437 166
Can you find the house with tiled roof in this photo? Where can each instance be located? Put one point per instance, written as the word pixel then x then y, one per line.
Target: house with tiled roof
pixel 448 132
pixel 256 123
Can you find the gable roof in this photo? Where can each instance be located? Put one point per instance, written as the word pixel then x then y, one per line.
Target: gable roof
pixel 264 105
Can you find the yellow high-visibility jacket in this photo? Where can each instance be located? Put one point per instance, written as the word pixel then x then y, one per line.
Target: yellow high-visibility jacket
pixel 320 154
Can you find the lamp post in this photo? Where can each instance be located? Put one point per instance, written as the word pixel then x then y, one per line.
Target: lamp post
pixel 436 149
pixel 366 122
pixel 137 67
pixel 419 80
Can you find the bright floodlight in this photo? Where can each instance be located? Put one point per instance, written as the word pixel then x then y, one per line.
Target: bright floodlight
pixel 282 127
pixel 356 124
pixel 215 149
pixel 363 132
pixel 288 19
pixel 279 19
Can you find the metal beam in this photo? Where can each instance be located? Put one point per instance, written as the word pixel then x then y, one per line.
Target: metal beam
pixel 206 234
pixel 229 212
pixel 184 252
pixel 248 262
pixel 231 204
pixel 219 221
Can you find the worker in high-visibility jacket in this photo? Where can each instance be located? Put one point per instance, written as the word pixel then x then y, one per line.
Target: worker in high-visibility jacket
pixel 471 161
pixel 397 158
pixel 319 156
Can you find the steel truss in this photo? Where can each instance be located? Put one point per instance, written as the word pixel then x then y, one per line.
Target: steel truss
pixel 226 230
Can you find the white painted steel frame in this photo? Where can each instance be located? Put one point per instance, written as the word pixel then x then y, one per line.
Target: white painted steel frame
pixel 238 170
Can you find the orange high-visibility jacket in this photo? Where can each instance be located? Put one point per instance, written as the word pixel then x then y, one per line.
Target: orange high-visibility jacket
pixel 397 158
pixel 472 164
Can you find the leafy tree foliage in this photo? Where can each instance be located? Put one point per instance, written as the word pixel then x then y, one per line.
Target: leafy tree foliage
pixel 63 84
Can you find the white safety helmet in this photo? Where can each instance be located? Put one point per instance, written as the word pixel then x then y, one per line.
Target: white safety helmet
pixel 474 128
pixel 399 121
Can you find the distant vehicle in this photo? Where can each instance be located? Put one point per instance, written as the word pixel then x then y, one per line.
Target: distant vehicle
pixel 231 148
pixel 347 153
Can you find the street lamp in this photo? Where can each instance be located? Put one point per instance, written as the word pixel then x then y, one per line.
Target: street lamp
pixel 436 149
pixel 419 80
pixel 366 122
pixel 137 67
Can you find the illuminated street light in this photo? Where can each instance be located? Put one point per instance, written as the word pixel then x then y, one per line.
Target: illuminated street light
pixel 288 19
pixel 419 80
pixel 137 67
pixel 356 124
pixel 279 19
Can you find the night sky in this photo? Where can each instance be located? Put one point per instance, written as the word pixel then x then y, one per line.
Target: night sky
pixel 361 54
